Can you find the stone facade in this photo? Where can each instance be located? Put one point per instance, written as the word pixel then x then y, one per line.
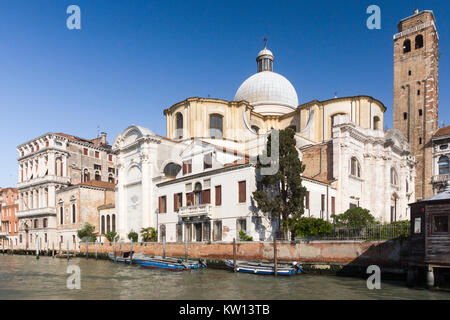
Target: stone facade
pixel 416 79
pixel 50 163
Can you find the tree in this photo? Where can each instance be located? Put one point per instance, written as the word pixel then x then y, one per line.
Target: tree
pixel 87 233
pixel 149 234
pixel 282 193
pixel 354 217
pixel 312 227
pixel 111 236
pixel 244 237
pixel 133 236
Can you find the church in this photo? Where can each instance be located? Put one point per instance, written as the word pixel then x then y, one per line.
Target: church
pixel 196 183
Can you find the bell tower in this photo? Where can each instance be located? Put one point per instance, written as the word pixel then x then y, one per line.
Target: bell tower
pixel 416 76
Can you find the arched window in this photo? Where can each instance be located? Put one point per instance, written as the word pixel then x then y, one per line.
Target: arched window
pixel 35 223
pixel 216 126
pixel 73 213
pixel 406 46
pixel 172 169
pixel 108 224
pixel 44 222
pixel 443 165
pixel 97 176
pixel 113 222
pixel 256 129
pixel 376 123
pixel 61 215
pixel 179 126
pixel 103 225
pixel 419 41
pixel 355 168
pixel 394 177
pixel 111 179
pixel 198 193
pixel 86 175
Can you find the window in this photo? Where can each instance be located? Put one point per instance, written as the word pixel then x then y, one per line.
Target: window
pixel 108 224
pixel 198 194
pixel 206 196
pixel 103 225
pixel 113 222
pixel 440 224
pixel 111 179
pixel 418 92
pixel 256 129
pixel 322 203
pixel 355 169
pixel 97 154
pixel 97 167
pixel 179 126
pixel 177 201
pixel 420 140
pixel 110 157
pixel 86 175
pixel 73 213
pixel 46 143
pixel 162 204
pixel 218 194
pixel 61 215
pixel 242 191
pixel 187 167
pixel 172 169
pixel 443 147
pixel 376 123
pixel 417 225
pixel 394 177
pixel 443 165
pixel 45 238
pixel 405 116
pixel 409 72
pixel 179 232
pixel 215 126
pixel 45 224
pixel 241 224
pixel 85 151
pixel 352 205
pixel 207 161
pixel 420 112
pixel 406 46
pixel 419 41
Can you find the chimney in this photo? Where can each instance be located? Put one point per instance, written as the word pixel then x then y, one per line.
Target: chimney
pixel 103 139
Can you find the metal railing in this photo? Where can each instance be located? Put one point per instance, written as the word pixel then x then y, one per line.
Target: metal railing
pixel 371 232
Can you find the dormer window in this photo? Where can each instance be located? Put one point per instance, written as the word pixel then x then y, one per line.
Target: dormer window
pixel 187 167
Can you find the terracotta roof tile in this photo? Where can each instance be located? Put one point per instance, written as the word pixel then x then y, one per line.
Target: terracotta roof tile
pixel 442 132
pixel 99 184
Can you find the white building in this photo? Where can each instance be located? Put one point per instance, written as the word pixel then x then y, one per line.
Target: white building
pixel 197 183
pixel 441 159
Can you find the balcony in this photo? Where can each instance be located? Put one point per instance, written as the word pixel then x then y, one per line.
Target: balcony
pixel 35 212
pixel 196 211
pixel 43 180
pixel 441 178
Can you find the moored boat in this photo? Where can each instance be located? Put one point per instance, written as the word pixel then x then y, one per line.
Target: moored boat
pixel 264 268
pixel 121 256
pixel 174 264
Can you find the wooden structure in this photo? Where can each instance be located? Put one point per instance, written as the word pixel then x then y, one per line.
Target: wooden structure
pixel 430 234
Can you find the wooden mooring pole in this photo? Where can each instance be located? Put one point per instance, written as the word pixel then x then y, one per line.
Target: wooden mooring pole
pixel 164 246
pixel 96 247
pixel 3 246
pixel 275 258
pixel 53 249
pixel 60 246
pixel 37 248
pixel 234 254
pixel 87 250
pixel 114 250
pixel 185 248
pixel 131 252
pixel 67 251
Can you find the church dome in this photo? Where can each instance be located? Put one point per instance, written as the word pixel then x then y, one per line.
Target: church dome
pixel 268 92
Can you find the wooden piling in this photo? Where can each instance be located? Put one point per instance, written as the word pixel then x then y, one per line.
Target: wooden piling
pixel 96 246
pixel 67 250
pixel 3 246
pixel 87 250
pixel 164 246
pixel 186 248
pixel 74 249
pixel 275 258
pixel 53 249
pixel 234 254
pixel 131 252
pixel 60 248
pixel 114 250
pixel 37 248
pixel 12 247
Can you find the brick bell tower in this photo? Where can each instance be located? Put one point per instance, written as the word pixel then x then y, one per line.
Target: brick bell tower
pixel 416 75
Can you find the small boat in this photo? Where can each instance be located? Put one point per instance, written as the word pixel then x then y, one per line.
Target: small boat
pixel 174 264
pixel 264 268
pixel 121 257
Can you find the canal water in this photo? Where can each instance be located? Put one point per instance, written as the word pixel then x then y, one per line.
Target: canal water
pixel 25 277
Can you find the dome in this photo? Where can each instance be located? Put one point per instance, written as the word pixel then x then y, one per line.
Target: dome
pixel 269 92
pixel 265 51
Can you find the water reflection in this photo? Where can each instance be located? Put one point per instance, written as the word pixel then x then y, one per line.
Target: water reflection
pixel 24 277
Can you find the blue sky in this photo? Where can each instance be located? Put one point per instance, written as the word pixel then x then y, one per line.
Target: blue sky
pixel 132 59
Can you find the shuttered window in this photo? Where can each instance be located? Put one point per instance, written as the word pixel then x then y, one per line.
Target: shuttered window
pixel 307 200
pixel 206 196
pixel 190 199
pixel 322 203
pixel 187 167
pixel 218 194
pixel 242 191
pixel 162 204
pixel 177 201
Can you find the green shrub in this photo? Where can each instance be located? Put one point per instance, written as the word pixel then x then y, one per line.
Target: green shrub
pixel 111 236
pixel 244 237
pixel 149 234
pixel 312 227
pixel 355 217
pixel 87 233
pixel 133 236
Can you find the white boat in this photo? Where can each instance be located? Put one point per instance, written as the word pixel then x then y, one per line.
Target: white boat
pixel 264 268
